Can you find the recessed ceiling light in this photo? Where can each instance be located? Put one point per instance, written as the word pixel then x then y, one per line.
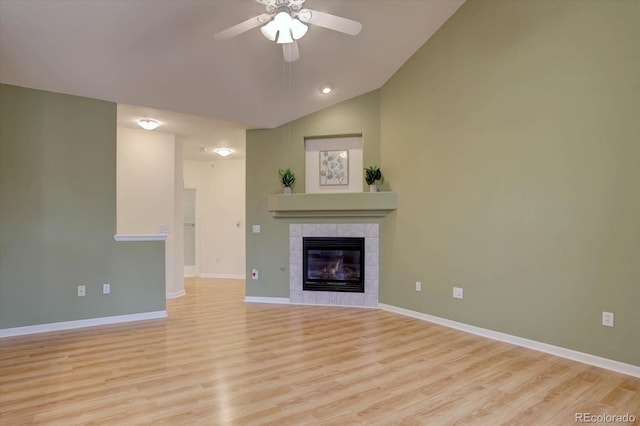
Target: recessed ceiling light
pixel 148 124
pixel 326 89
pixel 223 152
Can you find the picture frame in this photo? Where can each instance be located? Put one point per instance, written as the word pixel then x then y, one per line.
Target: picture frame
pixel 334 167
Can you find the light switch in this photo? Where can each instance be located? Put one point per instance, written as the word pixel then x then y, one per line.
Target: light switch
pixel 256 229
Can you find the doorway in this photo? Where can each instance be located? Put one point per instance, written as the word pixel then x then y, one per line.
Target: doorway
pixel 190 252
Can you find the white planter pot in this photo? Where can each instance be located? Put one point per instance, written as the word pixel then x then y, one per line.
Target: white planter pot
pixel 373 188
pixel 287 190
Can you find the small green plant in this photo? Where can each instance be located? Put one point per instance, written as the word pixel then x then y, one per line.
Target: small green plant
pixel 287 178
pixel 372 174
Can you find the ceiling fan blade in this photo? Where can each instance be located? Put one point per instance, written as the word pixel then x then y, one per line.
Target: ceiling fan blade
pixel 242 27
pixel 291 52
pixel 332 22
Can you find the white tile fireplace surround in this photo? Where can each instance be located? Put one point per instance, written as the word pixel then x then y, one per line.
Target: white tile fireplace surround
pixel 371 234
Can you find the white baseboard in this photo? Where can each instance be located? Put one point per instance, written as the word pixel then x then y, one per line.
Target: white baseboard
pixel 276 300
pixel 69 325
pixel 175 294
pixel 228 276
pixel 190 271
pixel 609 364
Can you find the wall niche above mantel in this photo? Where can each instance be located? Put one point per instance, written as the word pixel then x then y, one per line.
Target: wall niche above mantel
pixel 361 204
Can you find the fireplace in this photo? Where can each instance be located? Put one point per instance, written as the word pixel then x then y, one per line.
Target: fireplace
pixel 371 234
pixel 333 264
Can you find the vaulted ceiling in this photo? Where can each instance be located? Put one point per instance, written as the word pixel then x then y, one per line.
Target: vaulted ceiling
pixel 161 55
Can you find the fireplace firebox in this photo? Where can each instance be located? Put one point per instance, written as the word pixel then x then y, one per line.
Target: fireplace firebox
pixel 333 264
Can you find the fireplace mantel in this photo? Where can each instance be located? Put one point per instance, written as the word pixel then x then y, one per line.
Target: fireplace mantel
pixel 345 204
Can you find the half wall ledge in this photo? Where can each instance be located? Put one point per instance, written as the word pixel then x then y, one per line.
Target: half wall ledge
pixel 140 237
pixel 346 204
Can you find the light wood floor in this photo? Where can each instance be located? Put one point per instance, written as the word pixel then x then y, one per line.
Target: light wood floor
pixel 219 361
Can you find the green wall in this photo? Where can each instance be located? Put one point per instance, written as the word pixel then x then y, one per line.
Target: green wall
pixel 58 213
pixel 282 147
pixel 513 140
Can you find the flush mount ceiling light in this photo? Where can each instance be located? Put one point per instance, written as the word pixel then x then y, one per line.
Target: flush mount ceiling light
pixel 284 22
pixel 326 89
pixel 148 124
pixel 223 152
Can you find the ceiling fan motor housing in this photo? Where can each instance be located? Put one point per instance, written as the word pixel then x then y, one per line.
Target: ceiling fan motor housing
pixel 274 6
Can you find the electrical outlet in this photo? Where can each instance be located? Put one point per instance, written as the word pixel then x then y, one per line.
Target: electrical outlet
pixel 607 319
pixel 254 274
pixel 457 293
pixel 256 229
pixel 418 286
pixel 106 288
pixel 82 290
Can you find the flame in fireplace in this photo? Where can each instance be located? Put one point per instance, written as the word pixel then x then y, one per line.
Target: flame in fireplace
pixel 331 270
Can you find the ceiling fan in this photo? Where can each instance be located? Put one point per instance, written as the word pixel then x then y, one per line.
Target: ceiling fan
pixel 284 22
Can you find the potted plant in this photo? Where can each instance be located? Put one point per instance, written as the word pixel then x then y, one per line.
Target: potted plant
pixel 372 174
pixel 287 178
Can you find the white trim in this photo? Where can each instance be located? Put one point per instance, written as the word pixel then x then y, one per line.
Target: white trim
pixel 69 325
pixel 276 300
pixel 191 271
pixel 609 364
pixel 140 237
pixel 228 276
pixel 175 294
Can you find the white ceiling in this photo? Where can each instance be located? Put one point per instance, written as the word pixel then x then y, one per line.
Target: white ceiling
pixel 193 131
pixel 162 55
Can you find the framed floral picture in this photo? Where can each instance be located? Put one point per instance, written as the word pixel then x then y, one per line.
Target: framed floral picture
pixel 334 168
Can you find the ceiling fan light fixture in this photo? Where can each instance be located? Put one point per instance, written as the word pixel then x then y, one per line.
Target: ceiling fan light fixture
pixel 223 152
pixel 298 29
pixel 285 22
pixel 270 31
pixel 148 124
pixel 284 37
pixel 282 25
pixel 284 29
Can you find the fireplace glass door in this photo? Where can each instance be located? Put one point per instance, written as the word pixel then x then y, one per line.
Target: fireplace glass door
pixel 333 264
